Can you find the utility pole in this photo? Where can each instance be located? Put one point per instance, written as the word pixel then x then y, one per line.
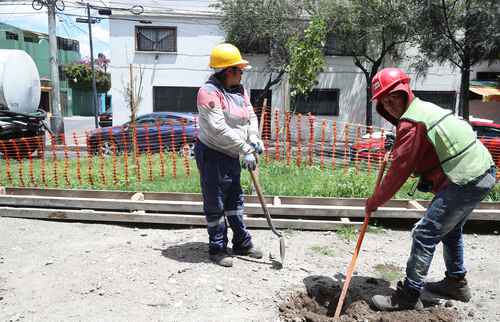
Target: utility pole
pixel 94 90
pixel 56 120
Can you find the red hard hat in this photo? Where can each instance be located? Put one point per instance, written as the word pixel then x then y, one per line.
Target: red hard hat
pixel 386 81
pixel 389 80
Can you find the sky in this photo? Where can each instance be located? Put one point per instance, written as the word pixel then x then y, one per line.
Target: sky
pixel 25 17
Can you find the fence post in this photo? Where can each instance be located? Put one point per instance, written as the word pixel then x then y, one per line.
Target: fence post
pixel 148 153
pixel 90 159
pixel 322 147
pixel 310 147
pixel 334 144
pixel 288 139
pixel 78 161
pixel 172 152
pixel 277 134
pixel 54 159
pixel 160 143
pixel 185 150
pixel 346 147
pixel 369 162
pixel 357 160
pixel 43 170
pixel 124 139
pixel 298 157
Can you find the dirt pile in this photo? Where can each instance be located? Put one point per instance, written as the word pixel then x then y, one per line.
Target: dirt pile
pixel 318 304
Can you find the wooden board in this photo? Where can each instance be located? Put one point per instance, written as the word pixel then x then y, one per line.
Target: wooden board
pixel 176 219
pixel 414 211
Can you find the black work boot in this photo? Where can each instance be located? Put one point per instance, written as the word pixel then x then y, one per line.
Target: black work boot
pixel 252 251
pixel 402 299
pixel 455 288
pixel 221 258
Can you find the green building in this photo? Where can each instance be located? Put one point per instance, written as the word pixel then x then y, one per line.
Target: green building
pixel 73 101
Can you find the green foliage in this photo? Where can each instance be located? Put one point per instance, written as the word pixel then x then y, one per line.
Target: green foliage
pixel 461 33
pixel 261 26
pixel 348 233
pixel 79 75
pixel 323 250
pixel 373 32
pixel 306 57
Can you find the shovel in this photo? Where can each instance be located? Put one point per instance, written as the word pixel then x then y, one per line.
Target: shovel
pixel 268 216
pixel 362 232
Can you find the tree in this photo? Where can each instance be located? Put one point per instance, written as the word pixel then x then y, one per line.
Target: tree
pixel 307 57
pixel 462 33
pixel 263 27
pixel 371 31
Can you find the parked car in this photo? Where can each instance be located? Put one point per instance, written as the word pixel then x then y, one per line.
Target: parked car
pixel 150 130
pixel 489 134
pixel 372 146
pixel 106 118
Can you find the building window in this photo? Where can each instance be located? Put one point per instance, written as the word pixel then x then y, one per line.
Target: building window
pixel 163 39
pixel 11 35
pixel 30 38
pixel 318 102
pixel 488 76
pixel 67 44
pixel 444 99
pixel 175 99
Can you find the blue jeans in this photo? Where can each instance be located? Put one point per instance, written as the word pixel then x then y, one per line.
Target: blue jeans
pixel 444 222
pixel 222 198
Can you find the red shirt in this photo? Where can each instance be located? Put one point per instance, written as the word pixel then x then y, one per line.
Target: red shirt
pixel 412 153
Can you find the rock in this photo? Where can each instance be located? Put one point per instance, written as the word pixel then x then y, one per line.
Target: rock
pixel 495 232
pixel 219 288
pixel 448 303
pixel 136 229
pixel 49 263
pixel 1 298
pixel 101 293
pixel 471 313
pixel 87 250
pixel 475 236
pixel 144 235
pixel 129 242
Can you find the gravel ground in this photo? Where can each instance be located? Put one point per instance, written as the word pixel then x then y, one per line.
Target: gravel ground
pixel 67 271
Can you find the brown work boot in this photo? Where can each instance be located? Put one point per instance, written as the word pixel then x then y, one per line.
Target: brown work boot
pixel 222 258
pixel 252 252
pixel 452 287
pixel 402 299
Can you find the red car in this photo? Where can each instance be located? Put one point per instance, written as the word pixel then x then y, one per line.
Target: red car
pixel 372 146
pixel 489 134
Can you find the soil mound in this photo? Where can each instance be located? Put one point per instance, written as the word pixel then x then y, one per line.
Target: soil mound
pixel 318 304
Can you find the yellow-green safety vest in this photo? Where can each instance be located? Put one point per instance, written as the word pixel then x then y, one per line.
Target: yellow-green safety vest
pixel 462 156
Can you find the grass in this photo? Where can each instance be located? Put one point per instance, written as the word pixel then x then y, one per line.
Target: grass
pixel 323 250
pixel 276 178
pixel 389 272
pixel 347 233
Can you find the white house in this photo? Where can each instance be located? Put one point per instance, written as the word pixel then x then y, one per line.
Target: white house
pixel 173 53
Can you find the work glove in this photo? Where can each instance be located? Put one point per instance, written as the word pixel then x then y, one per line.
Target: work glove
pixel 370 205
pixel 257 144
pixel 249 162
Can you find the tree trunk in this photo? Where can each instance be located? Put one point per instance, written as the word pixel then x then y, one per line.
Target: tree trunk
pixel 464 94
pixel 270 83
pixel 369 119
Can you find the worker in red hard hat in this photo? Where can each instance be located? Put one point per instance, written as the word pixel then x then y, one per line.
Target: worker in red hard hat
pixel 451 162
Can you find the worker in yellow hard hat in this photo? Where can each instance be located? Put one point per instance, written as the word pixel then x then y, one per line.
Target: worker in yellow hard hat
pixel 228 130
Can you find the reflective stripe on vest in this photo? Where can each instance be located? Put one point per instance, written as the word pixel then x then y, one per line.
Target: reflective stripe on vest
pixel 462 157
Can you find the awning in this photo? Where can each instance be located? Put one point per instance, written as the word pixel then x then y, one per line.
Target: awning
pixel 489 90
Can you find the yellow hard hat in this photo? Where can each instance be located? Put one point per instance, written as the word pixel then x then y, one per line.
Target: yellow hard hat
pixel 226 55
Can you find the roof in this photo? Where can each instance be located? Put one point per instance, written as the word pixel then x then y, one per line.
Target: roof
pixel 489 90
